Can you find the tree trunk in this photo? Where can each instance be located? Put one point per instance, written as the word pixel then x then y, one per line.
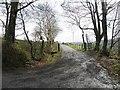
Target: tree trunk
pixel 104 27
pixel 7 18
pixel 31 45
pixel 84 43
pixel 111 45
pixel 119 46
pixel 42 48
pixel 97 45
pixel 49 42
pixel 10 35
pixel 48 46
pixel 96 23
pixel 87 42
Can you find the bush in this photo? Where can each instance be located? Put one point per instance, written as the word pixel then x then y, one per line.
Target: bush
pixel 113 52
pixel 13 55
pixel 116 67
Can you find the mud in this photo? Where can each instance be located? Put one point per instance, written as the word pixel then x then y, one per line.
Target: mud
pixel 74 70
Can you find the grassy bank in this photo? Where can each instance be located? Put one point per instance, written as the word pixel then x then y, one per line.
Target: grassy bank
pixel 18 54
pixel 111 63
pixel 48 58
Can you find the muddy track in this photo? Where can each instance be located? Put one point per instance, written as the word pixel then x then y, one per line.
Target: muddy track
pixel 74 70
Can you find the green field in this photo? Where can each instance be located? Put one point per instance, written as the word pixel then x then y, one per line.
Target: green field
pixel 76 47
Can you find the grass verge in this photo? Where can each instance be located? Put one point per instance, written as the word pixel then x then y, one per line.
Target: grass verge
pixel 111 63
pixel 18 55
pixel 76 47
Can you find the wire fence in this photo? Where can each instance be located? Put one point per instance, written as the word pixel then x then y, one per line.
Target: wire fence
pixel 90 46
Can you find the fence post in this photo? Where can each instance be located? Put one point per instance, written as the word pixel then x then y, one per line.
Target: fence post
pixel 89 46
pixel 58 47
pixel 119 46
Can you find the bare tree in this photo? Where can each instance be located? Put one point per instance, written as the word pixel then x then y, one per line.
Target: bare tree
pixel 74 15
pixel 95 17
pixel 115 30
pixel 10 34
pixel 93 11
pixel 90 14
pixel 3 24
pixel 11 18
pixel 7 16
pixel 39 38
pixel 104 27
pixel 26 34
pixel 46 20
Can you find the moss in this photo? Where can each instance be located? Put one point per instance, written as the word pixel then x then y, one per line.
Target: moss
pixel 113 52
pixel 13 55
pixel 51 59
pixel 18 54
pixel 116 67
pixel 48 58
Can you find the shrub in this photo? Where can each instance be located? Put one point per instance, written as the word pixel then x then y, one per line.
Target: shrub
pixel 113 52
pixel 13 55
pixel 116 67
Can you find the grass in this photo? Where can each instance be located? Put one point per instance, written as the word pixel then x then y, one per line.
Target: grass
pixel 111 63
pixel 13 55
pixel 47 58
pixel 114 55
pixel 19 54
pixel 116 67
pixel 113 52
pixel 76 47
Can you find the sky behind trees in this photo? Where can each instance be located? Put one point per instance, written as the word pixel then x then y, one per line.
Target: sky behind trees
pixel 69 33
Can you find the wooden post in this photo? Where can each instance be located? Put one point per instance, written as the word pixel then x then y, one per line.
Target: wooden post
pixel 58 47
pixel 119 46
pixel 89 46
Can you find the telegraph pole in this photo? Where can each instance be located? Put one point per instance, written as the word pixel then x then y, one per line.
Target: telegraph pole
pixel 73 36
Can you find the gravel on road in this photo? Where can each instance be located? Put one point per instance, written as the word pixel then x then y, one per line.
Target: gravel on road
pixel 74 70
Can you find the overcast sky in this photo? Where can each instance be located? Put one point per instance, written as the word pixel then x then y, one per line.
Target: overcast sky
pixel 68 33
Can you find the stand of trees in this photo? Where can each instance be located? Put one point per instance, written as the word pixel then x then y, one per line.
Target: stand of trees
pixel 97 13
pixel 46 27
pixel 17 15
pixel 11 16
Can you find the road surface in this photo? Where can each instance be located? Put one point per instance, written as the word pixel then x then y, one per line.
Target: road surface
pixel 74 70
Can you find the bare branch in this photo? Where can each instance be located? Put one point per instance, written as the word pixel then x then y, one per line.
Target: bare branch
pixel 116 41
pixel 2 22
pixel 26 5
